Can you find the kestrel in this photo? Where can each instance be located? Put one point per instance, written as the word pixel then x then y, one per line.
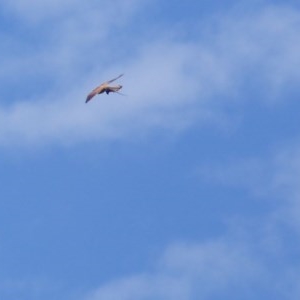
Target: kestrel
pixel 104 87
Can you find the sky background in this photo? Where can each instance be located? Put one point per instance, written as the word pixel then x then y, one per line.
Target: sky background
pixel 187 187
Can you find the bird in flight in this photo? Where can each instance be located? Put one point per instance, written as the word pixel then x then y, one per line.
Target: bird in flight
pixel 104 87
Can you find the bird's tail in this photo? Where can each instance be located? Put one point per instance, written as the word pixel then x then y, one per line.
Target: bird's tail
pixel 120 93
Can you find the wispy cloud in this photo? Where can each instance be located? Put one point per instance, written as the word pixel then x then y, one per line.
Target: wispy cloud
pixel 254 258
pixel 189 272
pixel 275 173
pixel 171 82
pixel 273 178
pixel 36 12
pixel 227 267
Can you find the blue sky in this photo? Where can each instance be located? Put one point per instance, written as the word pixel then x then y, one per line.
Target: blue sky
pixel 187 188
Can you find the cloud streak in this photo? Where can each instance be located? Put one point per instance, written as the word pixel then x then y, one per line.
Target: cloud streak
pixel 171 82
pixel 188 272
pixel 255 258
pixel 227 267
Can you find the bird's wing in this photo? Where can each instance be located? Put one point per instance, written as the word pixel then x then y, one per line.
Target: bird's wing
pixel 115 78
pixel 89 97
pixel 94 92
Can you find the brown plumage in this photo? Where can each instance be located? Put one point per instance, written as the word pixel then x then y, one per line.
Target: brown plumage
pixel 104 87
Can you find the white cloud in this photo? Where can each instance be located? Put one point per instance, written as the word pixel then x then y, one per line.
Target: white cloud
pixel 231 267
pixel 67 117
pixel 285 184
pixel 273 178
pixel 276 173
pixel 171 83
pixel 38 11
pixel 197 271
pixel 254 259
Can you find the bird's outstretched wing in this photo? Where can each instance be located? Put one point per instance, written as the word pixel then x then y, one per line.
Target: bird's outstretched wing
pixel 93 93
pixel 115 78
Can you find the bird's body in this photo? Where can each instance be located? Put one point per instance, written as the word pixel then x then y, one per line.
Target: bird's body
pixel 104 87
